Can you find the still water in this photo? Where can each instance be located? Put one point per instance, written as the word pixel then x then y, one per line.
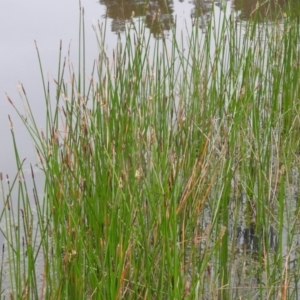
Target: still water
pixel 48 23
pixel 23 22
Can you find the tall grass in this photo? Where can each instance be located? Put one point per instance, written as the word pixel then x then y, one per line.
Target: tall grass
pixel 171 171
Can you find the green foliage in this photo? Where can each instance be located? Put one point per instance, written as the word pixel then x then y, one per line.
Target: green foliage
pixel 169 172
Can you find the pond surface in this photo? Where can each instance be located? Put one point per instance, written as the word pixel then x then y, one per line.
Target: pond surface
pixel 48 23
pixel 24 22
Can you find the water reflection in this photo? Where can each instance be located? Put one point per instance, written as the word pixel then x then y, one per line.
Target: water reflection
pixel 251 240
pixel 158 14
pixel 273 9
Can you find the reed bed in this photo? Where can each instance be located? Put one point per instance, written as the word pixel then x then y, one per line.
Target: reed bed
pixel 171 170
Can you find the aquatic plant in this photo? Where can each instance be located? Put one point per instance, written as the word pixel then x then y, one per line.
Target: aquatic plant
pixel 171 171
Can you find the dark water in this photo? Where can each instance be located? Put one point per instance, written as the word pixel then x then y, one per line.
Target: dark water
pixel 120 10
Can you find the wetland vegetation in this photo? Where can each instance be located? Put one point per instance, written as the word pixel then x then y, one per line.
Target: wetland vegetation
pixel 171 169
